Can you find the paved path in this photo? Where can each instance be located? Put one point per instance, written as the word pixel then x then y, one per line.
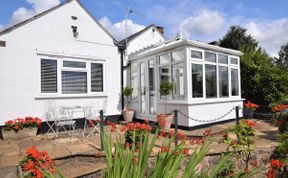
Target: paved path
pixel 11 152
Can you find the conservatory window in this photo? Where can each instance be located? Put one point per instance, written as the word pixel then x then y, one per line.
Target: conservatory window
pixel 223 81
pixel 178 80
pixel 165 59
pixel 234 82
pixel 164 73
pixel 178 56
pixel 210 57
pixel 133 80
pixel 234 61
pixel 222 59
pixel 196 54
pixel 211 81
pixel 197 80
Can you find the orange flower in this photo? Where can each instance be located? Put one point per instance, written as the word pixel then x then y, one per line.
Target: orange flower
pixel 164 149
pixel 185 151
pixel 250 123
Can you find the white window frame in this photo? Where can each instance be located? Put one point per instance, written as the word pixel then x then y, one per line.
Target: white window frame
pixel 170 64
pixel 217 64
pixel 61 68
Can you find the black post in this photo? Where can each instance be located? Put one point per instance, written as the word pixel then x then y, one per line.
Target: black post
pixel 176 126
pixel 237 114
pixel 101 128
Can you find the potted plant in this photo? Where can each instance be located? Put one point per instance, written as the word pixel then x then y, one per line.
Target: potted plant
pixel 128 114
pixel 21 128
pixel 165 119
pixel 249 109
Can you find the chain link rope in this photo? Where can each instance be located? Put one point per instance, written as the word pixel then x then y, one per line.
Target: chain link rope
pixel 213 120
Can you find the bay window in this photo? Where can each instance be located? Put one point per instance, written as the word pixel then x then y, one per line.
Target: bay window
pixel 75 76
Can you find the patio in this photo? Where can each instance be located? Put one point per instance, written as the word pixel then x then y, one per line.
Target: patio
pixel 83 155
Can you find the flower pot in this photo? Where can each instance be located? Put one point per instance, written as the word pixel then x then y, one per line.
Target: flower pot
pixel 165 121
pixel 22 133
pixel 128 115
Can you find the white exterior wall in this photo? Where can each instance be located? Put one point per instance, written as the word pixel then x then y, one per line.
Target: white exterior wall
pixel 52 34
pixel 147 38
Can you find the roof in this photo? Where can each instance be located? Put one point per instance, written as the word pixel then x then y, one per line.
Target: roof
pixel 131 37
pixel 9 29
pixel 178 42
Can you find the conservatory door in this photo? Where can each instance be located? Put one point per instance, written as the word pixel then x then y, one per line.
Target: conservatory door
pixel 147 100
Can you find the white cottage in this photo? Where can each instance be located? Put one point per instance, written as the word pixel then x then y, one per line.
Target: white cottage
pixel 62 55
pixel 206 78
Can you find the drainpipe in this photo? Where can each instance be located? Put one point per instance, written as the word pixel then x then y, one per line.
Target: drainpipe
pixel 122 49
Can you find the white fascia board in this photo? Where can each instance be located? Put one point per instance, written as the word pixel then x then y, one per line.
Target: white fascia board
pixel 182 42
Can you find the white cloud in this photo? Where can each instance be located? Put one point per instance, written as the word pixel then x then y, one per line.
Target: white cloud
pixel 204 24
pixel 118 29
pixel 38 6
pixel 271 34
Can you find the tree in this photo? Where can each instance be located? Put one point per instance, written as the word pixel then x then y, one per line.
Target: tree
pixel 262 82
pixel 236 38
pixel 282 61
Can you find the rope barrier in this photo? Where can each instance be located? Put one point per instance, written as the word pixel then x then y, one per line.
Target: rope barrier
pixel 213 120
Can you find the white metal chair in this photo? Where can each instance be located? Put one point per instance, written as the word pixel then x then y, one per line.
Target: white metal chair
pixel 50 115
pixel 64 121
pixel 92 119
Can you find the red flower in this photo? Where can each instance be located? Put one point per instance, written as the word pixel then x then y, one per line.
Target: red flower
pixel 275 163
pixel 250 123
pixel 164 149
pixel 207 132
pixel 185 151
pixel 16 127
pixel 196 141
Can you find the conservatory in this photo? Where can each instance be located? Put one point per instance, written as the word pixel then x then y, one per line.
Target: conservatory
pixel 206 81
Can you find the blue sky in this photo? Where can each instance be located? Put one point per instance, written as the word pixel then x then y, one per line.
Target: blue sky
pixel 204 20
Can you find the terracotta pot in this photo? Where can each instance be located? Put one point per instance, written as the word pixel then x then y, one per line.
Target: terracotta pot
pixel 128 115
pixel 165 121
pixel 23 133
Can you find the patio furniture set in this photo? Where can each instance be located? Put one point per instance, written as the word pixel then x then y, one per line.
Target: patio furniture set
pixel 61 119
